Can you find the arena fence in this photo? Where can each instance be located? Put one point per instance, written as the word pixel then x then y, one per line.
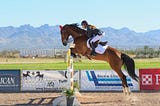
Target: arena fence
pixel 88 80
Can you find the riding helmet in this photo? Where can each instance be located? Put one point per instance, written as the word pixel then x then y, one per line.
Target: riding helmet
pixel 84 22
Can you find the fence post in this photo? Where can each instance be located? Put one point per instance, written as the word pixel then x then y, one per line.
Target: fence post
pixel 70 70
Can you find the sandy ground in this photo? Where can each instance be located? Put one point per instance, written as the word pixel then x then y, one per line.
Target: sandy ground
pixel 87 99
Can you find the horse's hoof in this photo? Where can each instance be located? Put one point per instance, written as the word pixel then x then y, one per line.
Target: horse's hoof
pixel 127 93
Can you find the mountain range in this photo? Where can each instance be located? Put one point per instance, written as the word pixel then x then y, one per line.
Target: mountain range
pixel 45 37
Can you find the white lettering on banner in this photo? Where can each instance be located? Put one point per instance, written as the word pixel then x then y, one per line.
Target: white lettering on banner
pixel 157 78
pixel 147 79
pixel 7 81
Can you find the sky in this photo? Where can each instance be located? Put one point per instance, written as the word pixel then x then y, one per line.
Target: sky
pixel 137 15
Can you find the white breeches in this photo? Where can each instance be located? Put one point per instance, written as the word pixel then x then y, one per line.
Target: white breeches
pixel 97 37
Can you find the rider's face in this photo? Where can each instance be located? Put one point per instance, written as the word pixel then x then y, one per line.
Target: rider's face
pixel 84 26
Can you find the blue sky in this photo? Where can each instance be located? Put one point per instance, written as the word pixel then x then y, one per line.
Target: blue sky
pixel 138 15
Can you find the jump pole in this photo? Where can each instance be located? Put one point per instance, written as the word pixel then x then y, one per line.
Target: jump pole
pixel 70 69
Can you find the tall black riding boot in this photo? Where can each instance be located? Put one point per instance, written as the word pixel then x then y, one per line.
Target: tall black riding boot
pixel 93 53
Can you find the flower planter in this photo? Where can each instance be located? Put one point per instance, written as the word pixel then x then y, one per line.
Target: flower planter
pixel 70 100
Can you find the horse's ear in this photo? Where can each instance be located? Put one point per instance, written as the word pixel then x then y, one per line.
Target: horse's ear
pixel 60 26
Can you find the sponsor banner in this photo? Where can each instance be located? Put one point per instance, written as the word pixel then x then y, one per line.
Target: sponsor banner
pixel 9 80
pixel 43 80
pixel 149 79
pixel 104 80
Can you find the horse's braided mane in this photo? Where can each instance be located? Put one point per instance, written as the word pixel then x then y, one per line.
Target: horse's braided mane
pixel 76 26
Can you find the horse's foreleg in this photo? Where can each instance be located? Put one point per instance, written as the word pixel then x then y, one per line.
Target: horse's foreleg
pixel 88 57
pixel 73 52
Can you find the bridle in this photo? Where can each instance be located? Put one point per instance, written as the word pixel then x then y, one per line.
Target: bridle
pixel 71 30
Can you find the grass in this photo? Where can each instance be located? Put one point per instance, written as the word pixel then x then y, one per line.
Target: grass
pixel 59 64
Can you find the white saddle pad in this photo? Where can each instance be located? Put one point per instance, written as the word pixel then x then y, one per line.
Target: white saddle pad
pixel 99 49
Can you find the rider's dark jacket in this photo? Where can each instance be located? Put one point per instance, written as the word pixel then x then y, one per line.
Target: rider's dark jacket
pixel 93 31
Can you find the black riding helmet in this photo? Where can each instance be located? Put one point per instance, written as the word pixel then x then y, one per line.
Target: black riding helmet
pixel 84 22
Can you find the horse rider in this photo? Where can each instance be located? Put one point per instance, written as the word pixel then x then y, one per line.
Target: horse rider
pixel 93 33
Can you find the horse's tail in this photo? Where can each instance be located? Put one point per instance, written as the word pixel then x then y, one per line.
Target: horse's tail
pixel 129 65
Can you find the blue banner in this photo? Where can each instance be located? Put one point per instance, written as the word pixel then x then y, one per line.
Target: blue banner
pixel 9 80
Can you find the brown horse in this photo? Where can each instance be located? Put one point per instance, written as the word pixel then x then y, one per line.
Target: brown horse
pixel 115 58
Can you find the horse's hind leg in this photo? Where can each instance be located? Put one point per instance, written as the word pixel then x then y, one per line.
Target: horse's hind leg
pixel 117 69
pixel 124 82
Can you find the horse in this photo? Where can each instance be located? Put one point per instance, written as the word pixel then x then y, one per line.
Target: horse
pixel 115 58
